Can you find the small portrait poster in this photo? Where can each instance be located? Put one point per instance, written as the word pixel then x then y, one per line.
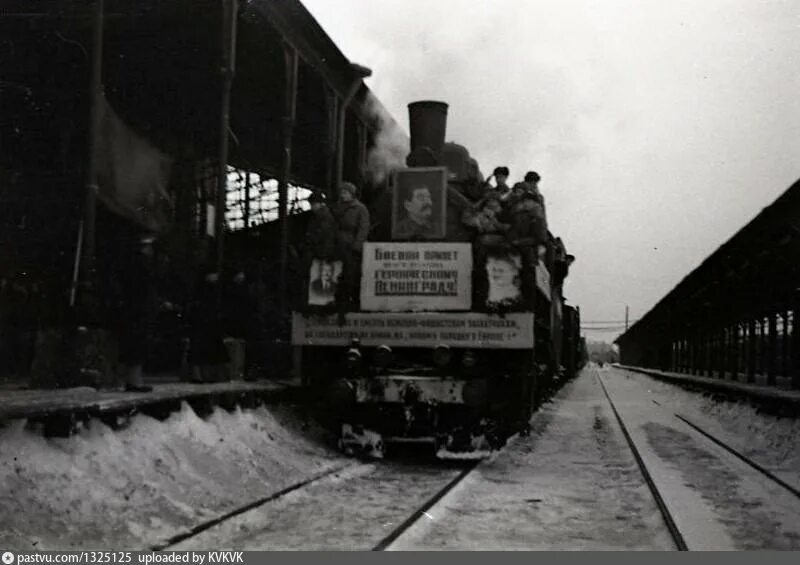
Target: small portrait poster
pixel 324 278
pixel 419 205
pixel 504 274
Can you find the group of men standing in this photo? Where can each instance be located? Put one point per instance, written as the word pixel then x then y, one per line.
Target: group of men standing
pixel 507 194
pixel 336 234
pixel 516 213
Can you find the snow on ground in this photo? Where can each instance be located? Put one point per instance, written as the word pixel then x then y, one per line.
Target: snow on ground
pixel 718 501
pixel 140 485
pixel 771 441
pixel 572 484
pixel 353 510
pixel 756 515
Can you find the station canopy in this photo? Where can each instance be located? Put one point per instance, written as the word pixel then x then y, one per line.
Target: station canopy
pixel 753 274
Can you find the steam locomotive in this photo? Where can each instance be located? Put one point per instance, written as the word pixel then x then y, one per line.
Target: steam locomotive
pixel 454 338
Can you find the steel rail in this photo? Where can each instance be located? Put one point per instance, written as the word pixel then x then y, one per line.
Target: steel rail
pixel 733 451
pixel 422 510
pixel 677 537
pixel 249 506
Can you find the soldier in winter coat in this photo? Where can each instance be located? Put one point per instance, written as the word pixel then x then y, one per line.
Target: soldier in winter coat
pixel 528 223
pixel 352 218
pixel 528 233
pixel 485 220
pixel 501 177
pixel 532 179
pixel 140 309
pixel 322 231
pixel 207 352
pixel 511 201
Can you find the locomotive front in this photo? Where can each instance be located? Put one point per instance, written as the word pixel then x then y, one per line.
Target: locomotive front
pixel 441 347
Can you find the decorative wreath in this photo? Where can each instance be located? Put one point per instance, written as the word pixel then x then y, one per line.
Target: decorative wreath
pixel 505 306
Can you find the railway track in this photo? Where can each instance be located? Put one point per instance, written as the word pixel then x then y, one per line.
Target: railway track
pixel 422 511
pixel 669 519
pixel 331 503
pixel 197 535
pixel 207 525
pixel 736 453
pixel 682 514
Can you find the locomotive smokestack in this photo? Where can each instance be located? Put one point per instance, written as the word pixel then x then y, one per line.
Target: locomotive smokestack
pixel 428 123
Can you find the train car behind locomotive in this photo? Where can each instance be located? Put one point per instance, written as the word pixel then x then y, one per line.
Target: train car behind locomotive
pixel 440 331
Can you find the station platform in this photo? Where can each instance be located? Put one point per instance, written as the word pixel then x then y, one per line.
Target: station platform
pixel 82 402
pixel 757 392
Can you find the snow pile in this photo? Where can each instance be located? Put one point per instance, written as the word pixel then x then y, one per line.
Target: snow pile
pixel 772 441
pixel 571 484
pixel 135 487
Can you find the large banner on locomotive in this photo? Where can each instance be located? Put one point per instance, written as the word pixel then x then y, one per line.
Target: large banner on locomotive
pixel 403 277
pixel 427 329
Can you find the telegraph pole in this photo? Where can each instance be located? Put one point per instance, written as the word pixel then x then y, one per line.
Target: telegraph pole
pixel 626 318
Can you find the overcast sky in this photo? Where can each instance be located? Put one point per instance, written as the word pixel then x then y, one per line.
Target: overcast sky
pixel 659 127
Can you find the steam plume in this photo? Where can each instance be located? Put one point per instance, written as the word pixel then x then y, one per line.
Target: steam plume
pixel 391 143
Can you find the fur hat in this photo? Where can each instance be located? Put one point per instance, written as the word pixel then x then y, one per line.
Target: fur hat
pixel 532 176
pixel 349 187
pixel 501 171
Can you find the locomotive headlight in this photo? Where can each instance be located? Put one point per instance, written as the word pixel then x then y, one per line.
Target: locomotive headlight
pixel 353 357
pixel 441 355
pixel 354 354
pixel 383 356
pixel 469 359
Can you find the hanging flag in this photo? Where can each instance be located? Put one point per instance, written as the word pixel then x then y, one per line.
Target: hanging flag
pixel 132 174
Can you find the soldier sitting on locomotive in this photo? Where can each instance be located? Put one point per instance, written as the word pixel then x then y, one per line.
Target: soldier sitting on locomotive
pixel 532 179
pixel 528 233
pixel 486 220
pixel 501 175
pixel 510 203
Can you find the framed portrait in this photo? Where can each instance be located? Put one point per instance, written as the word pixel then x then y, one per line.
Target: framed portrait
pixel 324 278
pixel 504 275
pixel 419 204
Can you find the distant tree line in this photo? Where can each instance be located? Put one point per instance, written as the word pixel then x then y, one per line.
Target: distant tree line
pixel 602 352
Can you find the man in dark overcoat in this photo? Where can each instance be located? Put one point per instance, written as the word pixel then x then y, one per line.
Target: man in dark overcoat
pixel 352 218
